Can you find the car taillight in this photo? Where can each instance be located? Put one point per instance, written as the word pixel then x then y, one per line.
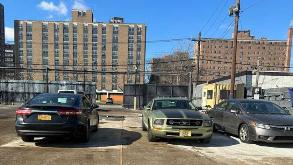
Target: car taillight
pixel 23 111
pixel 69 112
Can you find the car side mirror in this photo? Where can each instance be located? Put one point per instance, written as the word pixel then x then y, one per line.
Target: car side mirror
pixel 234 111
pixel 95 106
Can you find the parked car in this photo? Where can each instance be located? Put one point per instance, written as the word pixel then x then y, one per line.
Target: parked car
pixel 67 91
pixel 109 101
pixel 253 120
pixel 171 117
pixel 61 114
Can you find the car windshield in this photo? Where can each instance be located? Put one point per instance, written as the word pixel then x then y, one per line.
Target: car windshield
pixel 262 108
pixel 55 100
pixel 172 104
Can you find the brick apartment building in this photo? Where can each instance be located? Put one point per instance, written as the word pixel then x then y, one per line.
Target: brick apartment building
pixel 171 69
pixel 216 55
pixel 9 61
pixel 107 52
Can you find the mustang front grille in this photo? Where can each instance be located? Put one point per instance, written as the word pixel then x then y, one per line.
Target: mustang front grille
pixel 184 122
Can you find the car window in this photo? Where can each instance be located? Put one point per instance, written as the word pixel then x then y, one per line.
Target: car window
pixel 57 100
pixel 171 104
pixel 257 107
pixel 222 106
pixel 234 106
pixel 85 103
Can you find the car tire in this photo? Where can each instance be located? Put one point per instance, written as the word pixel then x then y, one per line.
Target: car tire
pixel 206 140
pixel 85 134
pixel 244 134
pixel 215 128
pixel 151 136
pixel 143 125
pixel 27 138
pixel 95 128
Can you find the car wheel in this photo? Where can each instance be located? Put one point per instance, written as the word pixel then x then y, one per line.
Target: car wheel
pixel 244 135
pixel 151 136
pixel 206 140
pixel 85 134
pixel 215 128
pixel 27 138
pixel 143 125
pixel 95 128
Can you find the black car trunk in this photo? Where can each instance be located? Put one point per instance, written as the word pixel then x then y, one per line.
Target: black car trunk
pixel 49 114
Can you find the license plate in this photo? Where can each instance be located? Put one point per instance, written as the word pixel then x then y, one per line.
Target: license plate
pixel 185 133
pixel 44 117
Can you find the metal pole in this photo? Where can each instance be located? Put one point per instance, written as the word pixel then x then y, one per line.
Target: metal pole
pixel 234 11
pixel 47 79
pixel 257 73
pixel 84 81
pixel 134 99
pixel 190 86
pixel 197 57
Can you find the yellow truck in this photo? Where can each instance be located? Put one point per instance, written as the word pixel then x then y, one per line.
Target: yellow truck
pixel 213 94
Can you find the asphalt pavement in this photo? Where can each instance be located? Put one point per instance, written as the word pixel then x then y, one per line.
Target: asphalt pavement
pixel 120 140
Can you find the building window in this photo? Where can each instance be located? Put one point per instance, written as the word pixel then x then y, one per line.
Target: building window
pixel 210 94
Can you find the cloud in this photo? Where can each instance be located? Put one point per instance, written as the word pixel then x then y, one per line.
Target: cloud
pixel 291 23
pixel 50 6
pixel 50 16
pixel 9 34
pixel 80 4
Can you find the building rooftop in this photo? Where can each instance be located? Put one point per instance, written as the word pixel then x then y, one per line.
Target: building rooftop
pixel 266 73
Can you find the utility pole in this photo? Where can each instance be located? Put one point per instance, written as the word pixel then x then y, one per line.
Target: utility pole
pixel 197 57
pixel 257 72
pixel 190 86
pixel 134 98
pixel 256 91
pixel 234 10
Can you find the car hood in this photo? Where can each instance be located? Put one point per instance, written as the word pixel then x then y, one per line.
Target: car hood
pixel 179 113
pixel 273 119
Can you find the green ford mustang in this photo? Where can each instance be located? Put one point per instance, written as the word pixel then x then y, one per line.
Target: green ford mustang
pixel 171 117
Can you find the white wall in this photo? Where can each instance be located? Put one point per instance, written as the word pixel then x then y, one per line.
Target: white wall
pixel 266 81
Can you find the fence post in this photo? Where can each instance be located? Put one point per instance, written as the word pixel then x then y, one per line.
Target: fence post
pixel 47 79
pixel 84 80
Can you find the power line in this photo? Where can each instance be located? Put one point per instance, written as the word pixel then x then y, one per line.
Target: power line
pixel 209 19
pixel 212 25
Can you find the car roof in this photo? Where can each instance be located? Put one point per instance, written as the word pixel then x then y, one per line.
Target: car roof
pixel 169 98
pixel 246 100
pixel 61 94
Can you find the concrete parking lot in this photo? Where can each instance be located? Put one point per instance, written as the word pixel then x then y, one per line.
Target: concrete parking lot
pixel 121 141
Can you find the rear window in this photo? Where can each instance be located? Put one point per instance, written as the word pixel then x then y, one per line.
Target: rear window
pixel 66 92
pixel 55 100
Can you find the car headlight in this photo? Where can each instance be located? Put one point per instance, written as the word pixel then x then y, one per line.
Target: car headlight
pixel 263 126
pixel 159 122
pixel 207 123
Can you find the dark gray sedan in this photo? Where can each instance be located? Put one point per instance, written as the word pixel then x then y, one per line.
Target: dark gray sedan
pixel 253 120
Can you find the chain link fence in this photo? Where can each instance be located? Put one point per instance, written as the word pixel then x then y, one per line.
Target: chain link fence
pixel 21 84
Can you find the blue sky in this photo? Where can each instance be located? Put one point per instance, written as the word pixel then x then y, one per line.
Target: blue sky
pixel 165 19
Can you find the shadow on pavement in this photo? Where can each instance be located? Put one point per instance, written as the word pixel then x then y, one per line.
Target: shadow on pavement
pixel 275 145
pixel 105 137
pixel 218 140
